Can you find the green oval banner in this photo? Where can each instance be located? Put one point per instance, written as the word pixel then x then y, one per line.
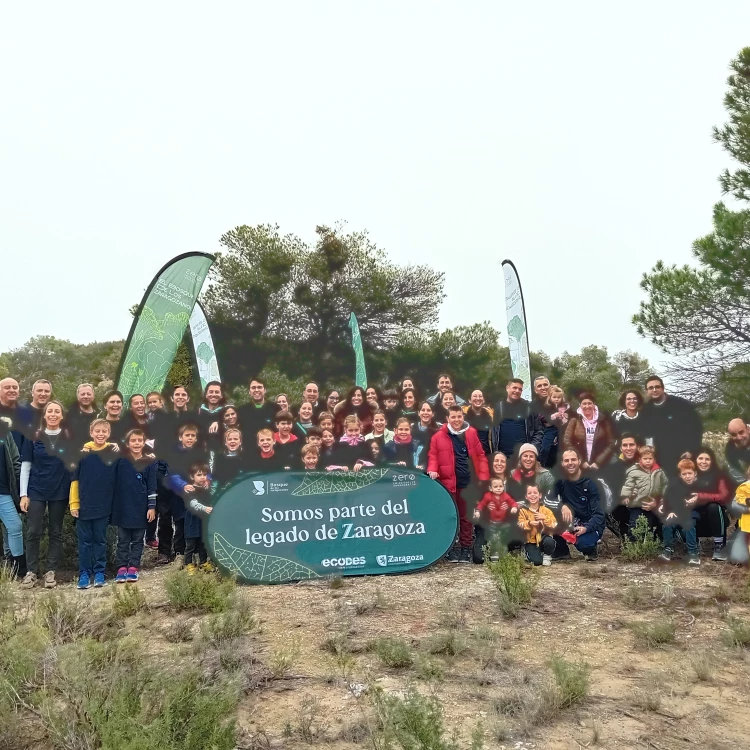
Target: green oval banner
pixel 294 525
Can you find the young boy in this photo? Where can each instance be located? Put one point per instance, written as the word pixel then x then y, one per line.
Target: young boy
pixel 677 512
pixel 134 505
pixel 231 462
pixel 497 502
pixel 314 436
pixel 284 424
pixel 325 421
pixel 391 402
pixel 197 494
pixel 267 458
pixel 741 508
pixel 538 522
pixel 91 494
pixel 187 452
pixel 454 451
pixel 310 455
pixel 644 484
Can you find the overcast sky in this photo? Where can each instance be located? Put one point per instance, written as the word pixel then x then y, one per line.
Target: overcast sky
pixel 573 138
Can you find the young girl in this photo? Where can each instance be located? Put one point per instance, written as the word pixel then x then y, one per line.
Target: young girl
pixel 497 503
pixel 380 432
pixel 401 451
pixel 423 431
pixel 351 451
pixel 391 408
pixel 91 496
pixel 537 521
pixel 328 448
pixel 230 463
pixel 134 505
pixel 304 420
pixel 197 495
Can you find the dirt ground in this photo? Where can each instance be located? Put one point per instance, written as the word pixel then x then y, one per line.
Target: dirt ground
pixel 639 697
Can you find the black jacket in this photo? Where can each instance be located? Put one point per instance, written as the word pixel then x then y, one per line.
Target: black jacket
pixel 534 422
pixel 582 497
pixel 675 427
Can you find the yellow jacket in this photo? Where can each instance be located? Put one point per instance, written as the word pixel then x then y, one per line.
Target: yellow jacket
pixel 742 496
pixel 534 533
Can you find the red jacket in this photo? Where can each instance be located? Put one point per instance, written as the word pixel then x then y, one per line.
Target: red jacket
pixel 497 508
pixel 441 458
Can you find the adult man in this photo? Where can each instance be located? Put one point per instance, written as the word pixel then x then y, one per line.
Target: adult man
pixel 479 416
pixel 444 384
pixel 311 394
pixel 615 475
pixel 258 413
pixel 548 451
pixel 456 459
pixel 737 451
pixel 41 393
pixel 579 505
pixel 670 424
pixel 17 416
pixel 82 413
pixel 515 422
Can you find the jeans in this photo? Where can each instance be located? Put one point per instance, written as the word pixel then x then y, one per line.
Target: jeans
pixel 548 453
pixel 12 522
pixel 535 551
pixel 194 547
pixel 129 547
pixel 35 525
pixel 92 545
pixel 691 538
pixel 586 543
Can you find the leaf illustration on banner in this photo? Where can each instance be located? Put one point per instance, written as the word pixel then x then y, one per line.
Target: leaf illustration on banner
pixel 338 481
pixel 254 567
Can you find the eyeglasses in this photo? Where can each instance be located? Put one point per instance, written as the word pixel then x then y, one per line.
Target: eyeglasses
pixel 654 387
pixel 334 398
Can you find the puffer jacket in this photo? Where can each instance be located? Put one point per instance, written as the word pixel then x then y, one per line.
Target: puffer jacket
pixel 442 460
pixel 641 484
pixel 605 440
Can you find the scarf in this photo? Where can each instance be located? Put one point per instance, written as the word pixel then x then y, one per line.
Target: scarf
pixel 590 426
pixel 352 439
pixel 464 427
pixel 402 439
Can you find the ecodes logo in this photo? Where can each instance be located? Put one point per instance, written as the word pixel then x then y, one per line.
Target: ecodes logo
pixel 404 480
pixel 259 487
pixel 385 560
pixel 343 562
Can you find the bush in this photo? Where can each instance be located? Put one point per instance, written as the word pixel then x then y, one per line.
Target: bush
pixel 393 652
pixel 283 658
pixel 199 593
pixel 572 681
pixel 703 665
pixel 514 587
pixel 68 619
pixel 428 669
pixel 738 633
pixel 645 545
pixel 654 634
pixel 128 600
pixel 449 644
pixel 224 629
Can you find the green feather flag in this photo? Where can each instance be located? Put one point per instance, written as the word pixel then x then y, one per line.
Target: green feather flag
pixel 360 377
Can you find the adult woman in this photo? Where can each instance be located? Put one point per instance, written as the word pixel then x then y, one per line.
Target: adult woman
pixel 498 462
pixel 113 414
pixel 374 397
pixel 380 432
pixel 627 417
pixel 592 434
pixel 529 471
pixel 445 401
pixel 304 420
pixel 354 404
pixel 422 432
pixel 409 405
pixel 282 402
pixel 209 412
pixel 10 500
pixel 45 488
pixel 714 494
pixel 408 383
pixel 333 398
pixel 480 417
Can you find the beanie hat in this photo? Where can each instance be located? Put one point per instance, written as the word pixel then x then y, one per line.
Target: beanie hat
pixel 528 447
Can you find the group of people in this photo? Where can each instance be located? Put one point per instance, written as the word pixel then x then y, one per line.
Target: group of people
pixel 542 472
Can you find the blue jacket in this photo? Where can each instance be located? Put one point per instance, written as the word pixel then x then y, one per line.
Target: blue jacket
pixel 582 497
pixel 50 468
pixel 96 475
pixel 135 493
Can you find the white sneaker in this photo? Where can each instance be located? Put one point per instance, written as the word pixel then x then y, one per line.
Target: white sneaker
pixel 29 581
pixel 179 562
pixel 546 560
pixel 49 580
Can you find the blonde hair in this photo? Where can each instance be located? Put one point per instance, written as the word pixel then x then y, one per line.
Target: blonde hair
pixel 265 431
pixel 647 450
pixel 232 429
pixel 310 449
pixel 554 389
pixel 352 419
pixel 96 423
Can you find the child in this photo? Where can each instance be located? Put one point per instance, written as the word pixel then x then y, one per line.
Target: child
pixel 91 495
pixel 351 452
pixel 304 419
pixel 310 456
pixel 380 431
pixel 325 421
pixel 284 424
pixel 134 505
pixel 187 452
pixel 267 459
pixel 314 436
pixel 676 511
pixel 196 494
pixel 402 449
pixel 497 502
pixel 538 522
pixel 644 485
pixel 741 507
pixel 391 403
pixel 327 447
pixel 231 462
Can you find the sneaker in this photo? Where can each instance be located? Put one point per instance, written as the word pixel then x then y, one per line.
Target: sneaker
pixel 49 579
pixel 163 560
pixel 191 569
pixel 453 555
pixel 720 553
pixel 179 562
pixel 666 555
pixel 84 581
pixel 208 567
pixel 694 560
pixel 99 580
pixel 593 557
pixel 547 560
pixel 132 575
pixel 465 555
pixel 152 544
pixel 29 581
pixel 122 575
